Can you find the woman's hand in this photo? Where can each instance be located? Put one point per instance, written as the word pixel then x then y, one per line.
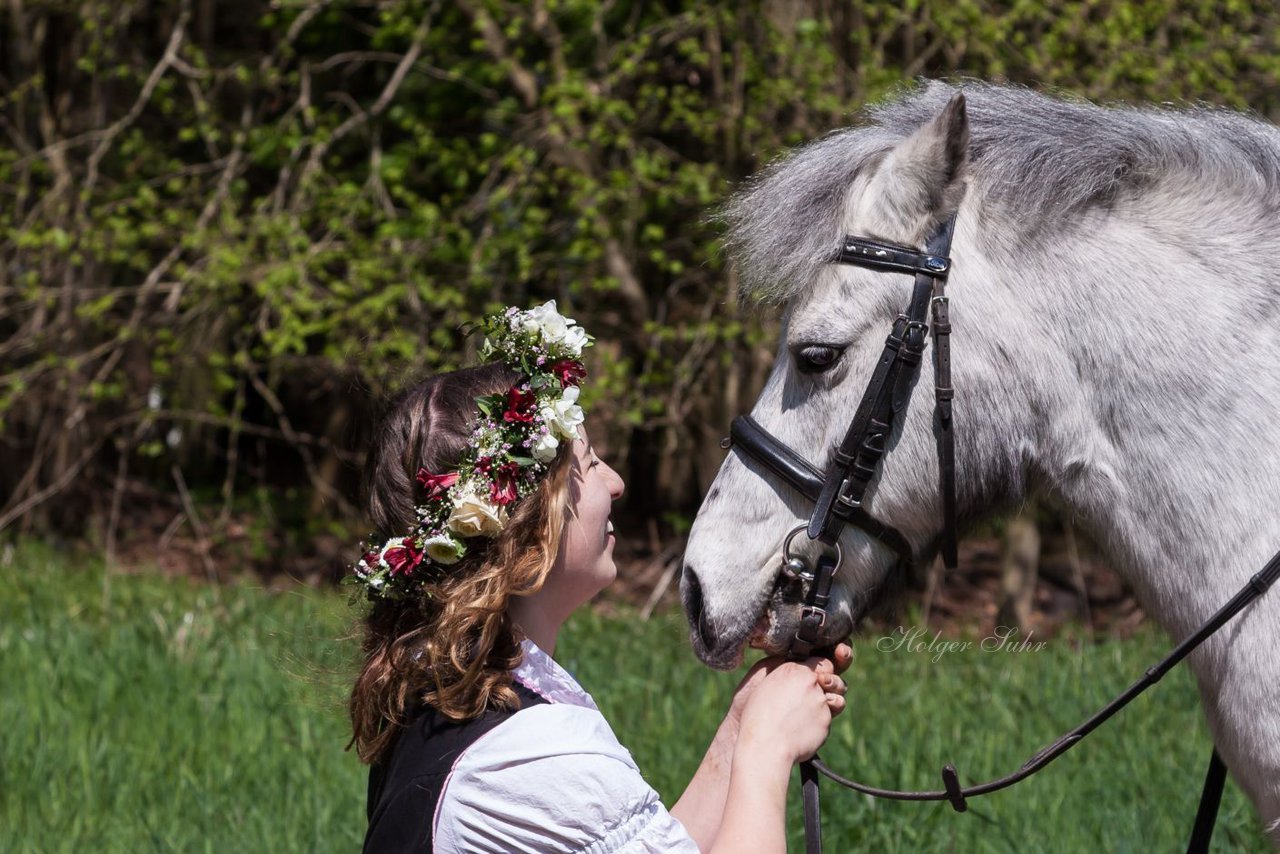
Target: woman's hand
pixel 788 711
pixel 841 658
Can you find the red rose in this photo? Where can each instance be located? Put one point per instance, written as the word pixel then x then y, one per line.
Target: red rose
pixel 436 484
pixel 503 488
pixel 371 560
pixel 404 558
pixel 520 405
pixel 569 372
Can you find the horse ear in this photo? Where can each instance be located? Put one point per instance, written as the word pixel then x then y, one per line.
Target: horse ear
pixel 920 181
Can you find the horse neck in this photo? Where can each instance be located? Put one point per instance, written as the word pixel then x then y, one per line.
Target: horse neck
pixel 1151 394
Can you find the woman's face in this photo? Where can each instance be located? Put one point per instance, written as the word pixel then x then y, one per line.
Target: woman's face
pixel 584 565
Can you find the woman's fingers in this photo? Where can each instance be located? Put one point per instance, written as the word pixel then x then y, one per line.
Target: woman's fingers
pixel 835 703
pixel 842 657
pixel 832 684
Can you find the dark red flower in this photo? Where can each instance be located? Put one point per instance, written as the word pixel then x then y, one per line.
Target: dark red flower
pixel 436 484
pixel 404 558
pixel 503 488
pixel 371 559
pixel 569 372
pixel 520 405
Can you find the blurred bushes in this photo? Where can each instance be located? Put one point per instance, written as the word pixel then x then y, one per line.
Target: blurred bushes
pixel 231 228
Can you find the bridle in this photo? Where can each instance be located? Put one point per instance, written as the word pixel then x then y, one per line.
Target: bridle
pixel 839 496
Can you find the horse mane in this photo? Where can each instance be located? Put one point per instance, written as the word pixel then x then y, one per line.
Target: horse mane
pixel 1036 162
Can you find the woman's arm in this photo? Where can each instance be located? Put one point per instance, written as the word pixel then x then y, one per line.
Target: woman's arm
pixel 701 807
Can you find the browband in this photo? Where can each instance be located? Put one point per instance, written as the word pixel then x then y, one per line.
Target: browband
pixel 889 257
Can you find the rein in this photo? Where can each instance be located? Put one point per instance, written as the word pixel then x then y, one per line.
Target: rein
pixel 838 496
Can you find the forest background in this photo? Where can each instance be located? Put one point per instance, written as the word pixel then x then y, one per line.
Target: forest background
pixel 229 231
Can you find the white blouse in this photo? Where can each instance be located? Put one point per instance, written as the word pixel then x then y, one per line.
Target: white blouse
pixel 552 778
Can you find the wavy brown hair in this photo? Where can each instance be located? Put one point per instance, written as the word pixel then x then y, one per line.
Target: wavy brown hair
pixel 452 646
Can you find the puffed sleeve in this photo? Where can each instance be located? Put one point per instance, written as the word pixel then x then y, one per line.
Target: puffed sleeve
pixel 553 778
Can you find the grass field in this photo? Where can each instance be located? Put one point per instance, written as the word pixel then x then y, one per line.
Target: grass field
pixel 143 714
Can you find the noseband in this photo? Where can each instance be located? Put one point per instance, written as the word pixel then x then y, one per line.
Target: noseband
pixel 839 495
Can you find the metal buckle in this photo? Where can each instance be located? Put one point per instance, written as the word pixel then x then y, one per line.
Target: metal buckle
pixel 808 611
pixel 846 501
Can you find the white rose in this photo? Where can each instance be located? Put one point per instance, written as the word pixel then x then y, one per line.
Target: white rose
pixel 473 516
pixel 544 450
pixel 444 549
pixel 564 416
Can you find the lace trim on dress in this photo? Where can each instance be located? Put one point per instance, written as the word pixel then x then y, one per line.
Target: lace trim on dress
pixel 539 672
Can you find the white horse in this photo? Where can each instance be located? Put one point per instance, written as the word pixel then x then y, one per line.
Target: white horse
pixel 1115 304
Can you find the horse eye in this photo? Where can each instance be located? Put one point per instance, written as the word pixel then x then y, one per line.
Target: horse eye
pixel 816 358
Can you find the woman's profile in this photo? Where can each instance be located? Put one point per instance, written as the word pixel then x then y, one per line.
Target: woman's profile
pixel 492 525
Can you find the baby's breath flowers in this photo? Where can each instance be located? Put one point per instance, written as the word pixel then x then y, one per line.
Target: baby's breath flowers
pixel 517 434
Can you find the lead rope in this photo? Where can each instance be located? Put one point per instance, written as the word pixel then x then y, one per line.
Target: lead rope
pixel 1210 797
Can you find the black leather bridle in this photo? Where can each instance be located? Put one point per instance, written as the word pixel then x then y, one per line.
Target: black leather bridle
pixel 839 496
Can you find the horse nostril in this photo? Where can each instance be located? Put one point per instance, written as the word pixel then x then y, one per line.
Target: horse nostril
pixel 694 606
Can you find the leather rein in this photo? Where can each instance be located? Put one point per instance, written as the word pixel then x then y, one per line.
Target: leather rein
pixel 839 493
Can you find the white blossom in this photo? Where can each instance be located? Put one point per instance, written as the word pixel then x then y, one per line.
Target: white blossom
pixel 552 326
pixel 575 339
pixel 444 549
pixel 564 415
pixel 544 450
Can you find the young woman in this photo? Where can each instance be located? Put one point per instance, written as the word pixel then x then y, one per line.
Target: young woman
pixel 492 511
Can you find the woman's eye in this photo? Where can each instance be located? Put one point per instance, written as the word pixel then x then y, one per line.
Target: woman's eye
pixel 816 358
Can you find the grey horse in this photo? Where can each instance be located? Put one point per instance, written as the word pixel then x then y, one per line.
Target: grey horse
pixel 1115 305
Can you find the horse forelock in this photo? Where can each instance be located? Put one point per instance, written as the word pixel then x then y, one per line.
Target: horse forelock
pixel 1035 164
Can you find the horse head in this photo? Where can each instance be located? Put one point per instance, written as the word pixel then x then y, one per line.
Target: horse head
pixel 832 336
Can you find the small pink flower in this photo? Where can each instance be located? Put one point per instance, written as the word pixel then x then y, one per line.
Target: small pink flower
pixel 436 484
pixel 404 558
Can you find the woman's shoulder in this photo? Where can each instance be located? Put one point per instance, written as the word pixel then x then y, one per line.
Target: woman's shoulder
pixel 552 778
pixel 546 731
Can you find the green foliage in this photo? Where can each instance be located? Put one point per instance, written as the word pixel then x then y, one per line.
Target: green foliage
pixel 294 209
pixel 144 713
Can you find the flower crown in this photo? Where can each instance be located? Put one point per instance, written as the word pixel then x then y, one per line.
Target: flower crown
pixel 511 445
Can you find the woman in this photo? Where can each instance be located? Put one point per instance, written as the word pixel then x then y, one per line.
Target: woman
pixel 493 513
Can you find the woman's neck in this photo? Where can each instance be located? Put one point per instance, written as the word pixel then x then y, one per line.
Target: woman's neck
pixel 536 624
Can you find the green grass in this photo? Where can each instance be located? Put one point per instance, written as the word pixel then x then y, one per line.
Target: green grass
pixel 160 715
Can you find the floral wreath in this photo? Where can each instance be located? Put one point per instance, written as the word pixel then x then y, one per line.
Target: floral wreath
pixel 510 449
